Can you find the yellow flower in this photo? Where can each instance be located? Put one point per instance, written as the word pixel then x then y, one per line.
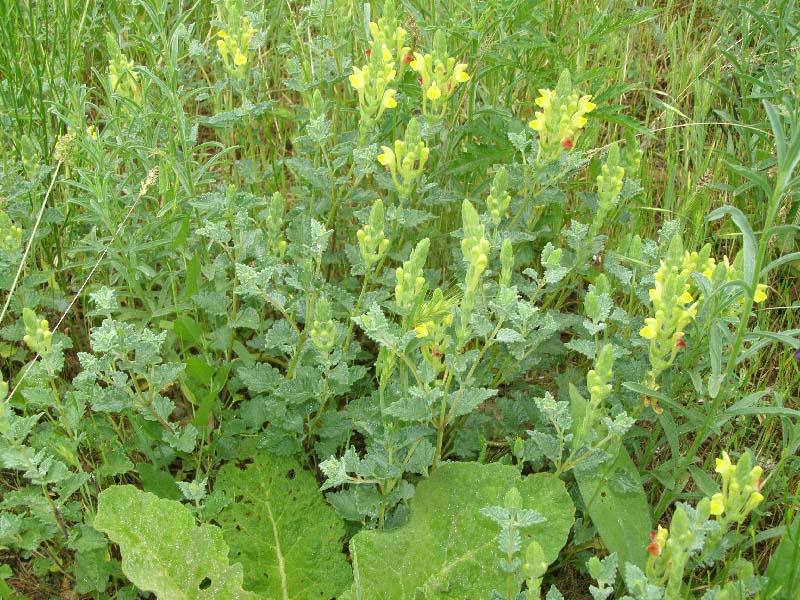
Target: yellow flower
pixel 717 504
pixel 544 99
pixel 422 330
pixel 386 55
pixel 357 79
pixel 760 294
pixel 538 123
pixel 434 93
pixel 584 104
pixel 753 501
pixel 388 98
pixel 387 157
pixel 685 297
pixel 724 465
pixel 650 329
pixel 459 73
pixel 240 59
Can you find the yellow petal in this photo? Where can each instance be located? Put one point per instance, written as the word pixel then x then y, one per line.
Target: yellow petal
pixel 386 157
pixel 760 294
pixel 585 104
pixel 433 93
pixel 717 506
pixel 388 100
pixel 357 79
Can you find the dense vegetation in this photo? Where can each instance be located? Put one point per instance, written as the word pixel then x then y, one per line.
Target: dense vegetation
pixel 406 300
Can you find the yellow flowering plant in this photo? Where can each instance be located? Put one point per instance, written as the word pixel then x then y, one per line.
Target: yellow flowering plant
pixel 674 307
pixel 122 76
pixel 693 535
pixel 438 75
pixel 561 120
pixel 372 81
pixel 234 38
pixel 406 160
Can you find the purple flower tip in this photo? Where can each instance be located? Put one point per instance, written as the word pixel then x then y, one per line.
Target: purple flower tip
pixel 797 354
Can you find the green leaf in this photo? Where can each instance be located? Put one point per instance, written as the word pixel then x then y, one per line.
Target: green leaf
pixel 288 539
pixel 164 551
pixel 783 570
pixel 447 549
pixel 749 244
pixel 617 505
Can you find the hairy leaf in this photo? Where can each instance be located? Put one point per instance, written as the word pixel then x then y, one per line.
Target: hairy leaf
pixel 288 539
pixel 616 502
pixel 164 551
pixel 447 549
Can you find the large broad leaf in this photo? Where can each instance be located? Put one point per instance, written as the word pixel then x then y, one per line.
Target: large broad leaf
pixel 164 551
pixel 617 505
pixel 448 549
pixel 783 570
pixel 283 532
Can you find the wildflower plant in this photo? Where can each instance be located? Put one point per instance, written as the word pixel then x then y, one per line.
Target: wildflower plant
pixel 439 75
pixel 373 81
pixel 122 76
pixel 313 290
pixel 234 38
pixel 406 160
pixel 475 249
pixel 561 120
pixel 674 308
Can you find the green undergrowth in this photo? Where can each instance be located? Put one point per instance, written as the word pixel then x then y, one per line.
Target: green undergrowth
pixel 399 300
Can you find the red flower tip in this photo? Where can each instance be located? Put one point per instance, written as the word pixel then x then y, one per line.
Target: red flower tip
pixel 653 536
pixel 759 483
pixel 654 549
pixel 407 58
pixel 368 52
pixel 419 80
pixel 567 143
pixel 680 344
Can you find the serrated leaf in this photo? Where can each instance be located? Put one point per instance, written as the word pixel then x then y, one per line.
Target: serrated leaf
pixel 164 551
pixel 470 399
pixel 280 528
pixel 447 549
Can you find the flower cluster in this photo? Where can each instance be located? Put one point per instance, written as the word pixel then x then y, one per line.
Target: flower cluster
pixel 388 36
pixel 499 198
pixel 10 234
pixel 609 187
pixel 274 225
pixel 433 319
pixel 674 308
pixel 730 272
pixel 233 43
pixel 234 37
pixel 372 243
pixel 691 532
pixel 37 332
pixel 323 329
pixel 406 161
pixel 411 283
pixel 475 250
pixel 387 56
pixel 741 485
pixel 438 74
pixel 123 78
pixel 561 119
